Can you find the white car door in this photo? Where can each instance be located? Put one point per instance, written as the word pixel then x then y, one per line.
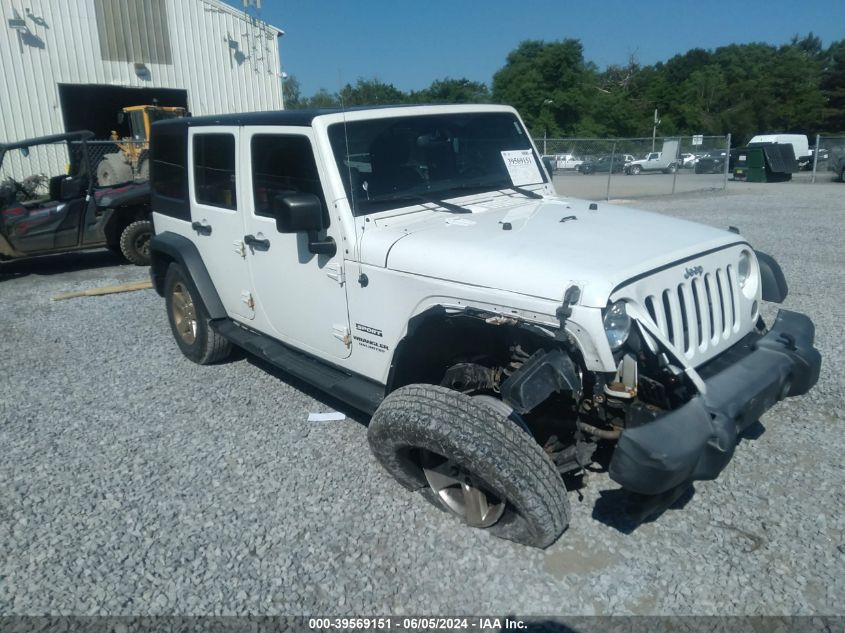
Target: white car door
pixel 300 296
pixel 217 214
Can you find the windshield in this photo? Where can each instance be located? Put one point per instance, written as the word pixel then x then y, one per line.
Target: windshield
pixel 136 122
pixel 397 161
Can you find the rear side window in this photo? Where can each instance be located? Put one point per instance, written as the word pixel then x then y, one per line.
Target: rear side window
pixel 168 173
pixel 214 170
pixel 283 164
pixel 168 170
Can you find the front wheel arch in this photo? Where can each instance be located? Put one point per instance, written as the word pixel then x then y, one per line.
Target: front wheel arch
pixel 167 248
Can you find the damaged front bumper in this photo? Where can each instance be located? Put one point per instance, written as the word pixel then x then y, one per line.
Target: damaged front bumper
pixel 697 440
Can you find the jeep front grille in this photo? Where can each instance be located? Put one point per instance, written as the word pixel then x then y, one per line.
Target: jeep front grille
pixel 699 312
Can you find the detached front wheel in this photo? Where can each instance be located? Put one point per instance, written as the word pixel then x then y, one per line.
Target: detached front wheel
pixel 468 458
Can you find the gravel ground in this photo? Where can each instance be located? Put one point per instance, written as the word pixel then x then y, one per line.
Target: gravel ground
pixel 134 482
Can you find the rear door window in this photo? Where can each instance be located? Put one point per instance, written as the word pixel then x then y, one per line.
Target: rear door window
pixel 214 170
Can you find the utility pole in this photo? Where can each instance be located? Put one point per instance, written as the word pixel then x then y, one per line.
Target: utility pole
pixel 546 102
pixel 654 129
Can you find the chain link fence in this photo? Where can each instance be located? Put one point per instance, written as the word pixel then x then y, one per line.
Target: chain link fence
pixel 827 162
pixel 623 168
pixel 117 162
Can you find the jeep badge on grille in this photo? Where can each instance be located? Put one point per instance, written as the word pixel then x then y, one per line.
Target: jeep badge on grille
pixel 693 271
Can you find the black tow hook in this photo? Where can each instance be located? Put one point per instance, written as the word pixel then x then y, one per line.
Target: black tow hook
pixel 787 340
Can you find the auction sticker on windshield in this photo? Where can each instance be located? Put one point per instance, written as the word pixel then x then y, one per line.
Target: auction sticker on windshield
pixel 522 167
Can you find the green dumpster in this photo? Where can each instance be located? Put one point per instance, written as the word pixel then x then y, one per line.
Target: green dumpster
pixel 750 165
pixel 765 162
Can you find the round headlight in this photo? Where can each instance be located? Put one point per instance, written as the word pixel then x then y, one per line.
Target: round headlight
pixel 743 270
pixel 617 325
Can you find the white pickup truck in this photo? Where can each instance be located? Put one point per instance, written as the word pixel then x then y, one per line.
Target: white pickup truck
pixel 416 263
pixel 567 161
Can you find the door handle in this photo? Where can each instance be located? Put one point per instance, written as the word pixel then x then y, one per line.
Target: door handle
pixel 251 240
pixel 203 229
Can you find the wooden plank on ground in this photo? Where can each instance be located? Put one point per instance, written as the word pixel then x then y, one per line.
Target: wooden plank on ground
pixel 132 286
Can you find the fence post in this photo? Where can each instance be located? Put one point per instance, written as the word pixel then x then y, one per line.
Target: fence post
pixel 727 162
pixel 815 159
pixel 677 166
pixel 545 150
pixel 610 171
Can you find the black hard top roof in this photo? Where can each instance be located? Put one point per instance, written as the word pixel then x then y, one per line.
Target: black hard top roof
pixel 271 117
pixel 81 135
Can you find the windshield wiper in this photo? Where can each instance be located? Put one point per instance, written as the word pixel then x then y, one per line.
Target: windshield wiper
pixel 454 208
pixel 498 186
pixel 526 192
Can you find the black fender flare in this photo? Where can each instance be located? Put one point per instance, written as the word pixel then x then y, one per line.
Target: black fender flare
pixel 771 276
pixel 170 247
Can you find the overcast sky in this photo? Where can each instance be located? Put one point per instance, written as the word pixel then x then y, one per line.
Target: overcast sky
pixel 409 44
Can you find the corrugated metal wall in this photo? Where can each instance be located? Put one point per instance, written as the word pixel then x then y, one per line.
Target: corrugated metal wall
pixel 225 61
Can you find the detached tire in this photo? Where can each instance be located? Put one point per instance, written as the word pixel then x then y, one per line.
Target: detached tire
pixel 113 170
pixel 135 242
pixel 189 321
pixel 426 435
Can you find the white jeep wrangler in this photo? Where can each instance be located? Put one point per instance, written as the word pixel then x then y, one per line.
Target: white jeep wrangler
pixel 416 263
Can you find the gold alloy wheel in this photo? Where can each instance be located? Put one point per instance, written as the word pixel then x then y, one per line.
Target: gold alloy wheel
pixel 183 312
pixel 461 492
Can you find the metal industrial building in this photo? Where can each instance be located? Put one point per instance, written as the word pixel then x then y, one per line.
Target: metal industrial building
pixel 74 64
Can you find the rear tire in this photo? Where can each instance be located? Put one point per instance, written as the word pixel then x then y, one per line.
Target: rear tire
pixel 189 321
pixel 426 434
pixel 135 242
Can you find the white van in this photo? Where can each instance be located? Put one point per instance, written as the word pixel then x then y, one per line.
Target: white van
pixel 799 142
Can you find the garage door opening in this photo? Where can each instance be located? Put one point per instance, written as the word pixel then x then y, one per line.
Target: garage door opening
pixel 94 107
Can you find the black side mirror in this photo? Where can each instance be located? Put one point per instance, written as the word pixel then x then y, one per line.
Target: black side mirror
pixel 297 212
pixel 303 212
pixel 121 117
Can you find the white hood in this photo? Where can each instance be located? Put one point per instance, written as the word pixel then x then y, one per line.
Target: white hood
pixel 541 254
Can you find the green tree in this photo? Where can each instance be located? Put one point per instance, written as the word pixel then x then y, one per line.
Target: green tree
pixel 833 88
pixel 452 91
pixel 549 83
pixel 291 94
pixel 322 99
pixel 810 45
pixel 371 92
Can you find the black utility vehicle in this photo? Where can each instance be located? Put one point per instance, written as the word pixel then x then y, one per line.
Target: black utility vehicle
pixel 604 164
pixel 49 202
pixel 711 163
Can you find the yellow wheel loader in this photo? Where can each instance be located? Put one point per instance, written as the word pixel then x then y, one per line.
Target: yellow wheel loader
pixel 130 163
